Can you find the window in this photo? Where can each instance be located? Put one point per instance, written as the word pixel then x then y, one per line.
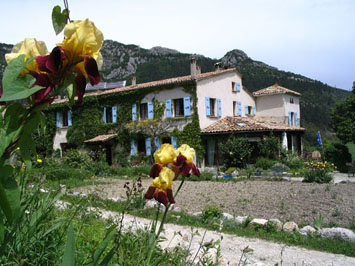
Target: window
pixel 213 107
pixel 64 119
pixel 234 88
pixel 108 115
pixel 143 111
pixel 291 100
pixel 141 146
pixel 166 140
pixel 235 109
pixel 178 107
pixel 291 116
pixel 250 110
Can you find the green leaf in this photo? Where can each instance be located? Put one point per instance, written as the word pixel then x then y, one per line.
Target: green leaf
pixel 13 69
pixel 59 19
pixel 20 88
pixel 9 194
pixel 69 253
pixel 101 248
pixel 2 232
pixel 70 91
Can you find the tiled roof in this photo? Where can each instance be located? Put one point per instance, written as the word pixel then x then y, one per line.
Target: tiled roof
pixel 275 89
pixel 101 138
pixel 246 124
pixel 158 83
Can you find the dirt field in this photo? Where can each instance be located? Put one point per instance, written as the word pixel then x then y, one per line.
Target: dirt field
pixel 297 201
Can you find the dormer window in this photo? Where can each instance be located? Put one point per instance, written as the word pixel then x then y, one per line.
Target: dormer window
pixel 291 100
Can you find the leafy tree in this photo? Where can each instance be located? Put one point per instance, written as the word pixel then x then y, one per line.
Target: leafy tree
pixel 235 151
pixel 270 147
pixel 343 117
pixel 338 154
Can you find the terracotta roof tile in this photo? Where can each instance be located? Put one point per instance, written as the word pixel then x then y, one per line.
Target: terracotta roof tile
pixel 101 138
pixel 244 124
pixel 275 89
pixel 163 82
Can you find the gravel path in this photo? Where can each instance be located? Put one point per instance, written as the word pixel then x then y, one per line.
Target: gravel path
pixel 297 201
pixel 231 246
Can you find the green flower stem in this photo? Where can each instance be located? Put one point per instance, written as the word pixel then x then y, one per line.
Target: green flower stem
pixel 162 222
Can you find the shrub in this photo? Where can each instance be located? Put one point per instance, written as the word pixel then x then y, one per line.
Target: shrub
pixel 270 147
pixel 293 161
pixel 235 151
pixel 264 163
pixel 318 176
pixel 211 213
pixel 59 172
pixel 76 159
pixel 338 154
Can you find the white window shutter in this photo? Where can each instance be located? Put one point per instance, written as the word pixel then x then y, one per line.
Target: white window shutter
pixel 219 107
pixel 157 143
pixel 114 114
pixel 150 110
pixel 208 108
pixel 246 109
pixel 134 112
pixel 148 146
pixel 187 107
pixel 69 119
pixel 58 123
pixel 133 148
pixel 105 115
pixel 254 110
pixel 174 141
pixel 289 119
pixel 168 108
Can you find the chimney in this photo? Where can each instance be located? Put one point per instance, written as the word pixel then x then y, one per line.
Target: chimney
pixel 218 66
pixel 193 67
pixel 133 80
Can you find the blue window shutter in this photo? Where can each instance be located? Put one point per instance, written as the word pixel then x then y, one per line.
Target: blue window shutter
pixel 289 119
pixel 134 112
pixel 174 142
pixel 150 110
pixel 104 115
pixel 208 108
pixel 148 146
pixel 219 107
pixel 238 86
pixel 157 143
pixel 296 119
pixel 114 114
pixel 69 119
pixel 187 108
pixel 133 148
pixel 254 110
pixel 239 108
pixel 246 111
pixel 58 119
pixel 168 108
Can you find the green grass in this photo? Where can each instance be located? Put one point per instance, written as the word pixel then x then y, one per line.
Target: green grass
pixel 351 147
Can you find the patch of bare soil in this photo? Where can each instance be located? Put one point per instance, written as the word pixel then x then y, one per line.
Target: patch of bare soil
pixel 296 201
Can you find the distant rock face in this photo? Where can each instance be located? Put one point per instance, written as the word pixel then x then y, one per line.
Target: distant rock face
pixel 158 50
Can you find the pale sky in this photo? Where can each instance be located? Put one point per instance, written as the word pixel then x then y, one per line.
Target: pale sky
pixel 314 38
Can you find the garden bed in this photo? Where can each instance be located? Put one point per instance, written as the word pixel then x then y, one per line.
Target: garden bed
pixel 296 201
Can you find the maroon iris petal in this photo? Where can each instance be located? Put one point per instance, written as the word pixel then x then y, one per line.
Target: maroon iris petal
pixel 92 70
pixel 1 93
pixel 170 196
pixel 155 170
pixel 51 63
pixel 162 197
pixel 43 81
pixel 185 169
pixel 195 170
pixel 80 84
pixel 150 192
pixel 180 161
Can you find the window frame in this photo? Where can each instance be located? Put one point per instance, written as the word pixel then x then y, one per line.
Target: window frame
pixel 64 118
pixel 213 107
pixel 178 102
pixel 143 111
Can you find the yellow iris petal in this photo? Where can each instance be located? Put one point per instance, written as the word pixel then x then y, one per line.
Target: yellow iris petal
pixel 30 47
pixel 187 151
pixel 82 38
pixel 165 179
pixel 165 155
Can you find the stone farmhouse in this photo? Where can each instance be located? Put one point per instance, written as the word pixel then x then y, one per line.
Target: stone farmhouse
pixel 215 103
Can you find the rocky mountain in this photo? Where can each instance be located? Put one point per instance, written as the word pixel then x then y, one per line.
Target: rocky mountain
pixel 122 61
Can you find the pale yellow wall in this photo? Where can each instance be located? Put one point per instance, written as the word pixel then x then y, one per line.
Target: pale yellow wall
pixel 60 137
pixel 220 87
